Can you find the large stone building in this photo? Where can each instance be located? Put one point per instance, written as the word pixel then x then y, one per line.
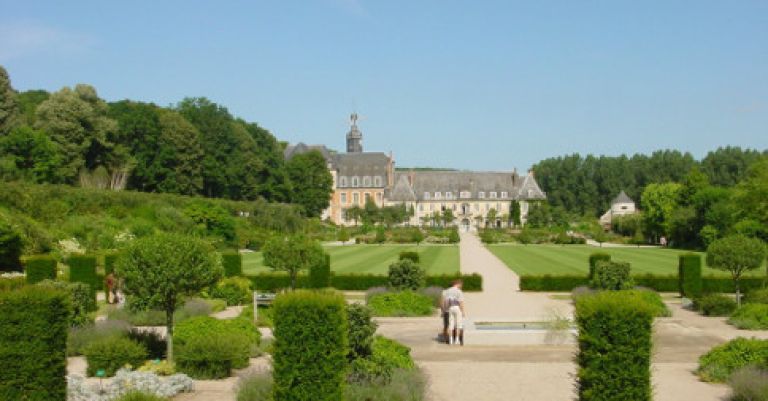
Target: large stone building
pixel 475 198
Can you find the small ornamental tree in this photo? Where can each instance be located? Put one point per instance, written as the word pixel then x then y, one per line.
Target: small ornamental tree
pixel 406 275
pixel 417 236
pixel 292 254
pixel 159 270
pixel 343 235
pixel 736 254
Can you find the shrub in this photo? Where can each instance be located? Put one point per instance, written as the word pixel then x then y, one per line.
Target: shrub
pixel 750 317
pixel 405 385
pixel 39 268
pixel 402 303
pixel 205 327
pixel 614 347
pixel 757 296
pixel 11 247
pixel 749 384
pixel 80 298
pixel 232 262
pixel 113 353
pixel 320 272
pixel 404 274
pixel 80 337
pixel 715 305
pixel 689 274
pixel 34 325
pixel 82 269
pixel 152 341
pixel 158 367
pixel 593 259
pixel 211 357
pixel 720 362
pixel 234 290
pixel 257 387
pixel 125 381
pixel 310 364
pixel 12 283
pixel 410 255
pixel 611 276
pixel 653 299
pixel 453 237
pixel 361 330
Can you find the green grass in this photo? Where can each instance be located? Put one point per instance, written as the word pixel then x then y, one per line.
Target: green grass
pixel 573 259
pixel 373 259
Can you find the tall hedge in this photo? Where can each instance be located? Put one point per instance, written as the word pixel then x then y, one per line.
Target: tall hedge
pixel 661 283
pixel 82 269
pixel 39 268
pixel 614 347
pixel 689 275
pixel 320 273
pixel 33 341
pixel 233 263
pixel 361 282
pixel 310 348
pixel 593 259
pixel 10 247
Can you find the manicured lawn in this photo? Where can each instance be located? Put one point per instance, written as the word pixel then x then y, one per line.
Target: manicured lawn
pixel 574 259
pixel 375 259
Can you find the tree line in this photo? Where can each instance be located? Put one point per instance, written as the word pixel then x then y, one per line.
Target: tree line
pixel 585 185
pixel 195 147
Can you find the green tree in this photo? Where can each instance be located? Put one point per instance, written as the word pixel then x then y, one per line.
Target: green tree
pixel 182 164
pixel 736 254
pixel 354 213
pixel 28 102
pixel 76 120
pixel 729 165
pixel 658 202
pixel 515 213
pixel 160 270
pixel 343 235
pixel 361 330
pixel 29 154
pixel 417 236
pixel 371 212
pixel 292 254
pixel 448 217
pixel 312 182
pixel 9 107
pixel 751 194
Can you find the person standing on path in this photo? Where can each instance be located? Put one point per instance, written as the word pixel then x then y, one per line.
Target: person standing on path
pixel 109 283
pixel 453 301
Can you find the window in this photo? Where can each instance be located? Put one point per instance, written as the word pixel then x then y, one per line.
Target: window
pixel 367 181
pixel 342 182
pixel 356 198
pixel 377 181
pixel 493 195
pixel 623 208
pixel 421 207
pixel 465 194
pixel 481 195
pixel 449 195
pixel 343 198
pixel 355 182
pixel 426 195
pixel 504 195
pixel 437 195
pixel 379 197
pixel 367 197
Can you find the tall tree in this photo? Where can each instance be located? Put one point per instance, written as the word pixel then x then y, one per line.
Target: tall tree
pixel 311 180
pixel 76 119
pixel 9 108
pixel 658 203
pixel 185 155
pixel 292 254
pixel 29 154
pixel 727 166
pixel 28 102
pixel 752 193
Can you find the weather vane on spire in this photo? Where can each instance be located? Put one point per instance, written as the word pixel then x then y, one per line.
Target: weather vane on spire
pixel 353 118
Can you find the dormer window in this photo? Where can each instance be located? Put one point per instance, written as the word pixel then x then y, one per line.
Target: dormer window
pixel 493 195
pixel 367 181
pixel 343 182
pixel 437 195
pixel 377 181
pixel 355 182
pixel 426 195
pixel 481 195
pixel 465 194
pixel 449 195
pixel 504 195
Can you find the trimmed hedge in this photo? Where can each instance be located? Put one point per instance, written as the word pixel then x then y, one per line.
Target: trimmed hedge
pixel 320 273
pixel 82 269
pixel 112 353
pixel 361 282
pixel 669 283
pixel 594 258
pixel 233 263
pixel 39 268
pixel 310 364
pixel 109 262
pixel 689 275
pixel 614 347
pixel 33 343
pixel 413 256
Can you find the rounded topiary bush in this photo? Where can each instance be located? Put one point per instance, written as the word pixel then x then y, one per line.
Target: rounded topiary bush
pixel 111 354
pixel 405 274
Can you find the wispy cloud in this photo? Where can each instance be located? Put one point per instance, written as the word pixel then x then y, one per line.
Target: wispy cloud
pixel 28 39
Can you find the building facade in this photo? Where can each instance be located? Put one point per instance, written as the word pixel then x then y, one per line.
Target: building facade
pixel 621 205
pixel 475 199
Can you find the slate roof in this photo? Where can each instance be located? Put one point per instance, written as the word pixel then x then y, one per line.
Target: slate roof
pixel 299 148
pixel 465 181
pixel 622 198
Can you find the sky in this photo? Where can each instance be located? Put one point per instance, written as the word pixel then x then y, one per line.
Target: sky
pixel 484 85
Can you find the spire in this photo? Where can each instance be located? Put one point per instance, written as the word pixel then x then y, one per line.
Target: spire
pixel 354 136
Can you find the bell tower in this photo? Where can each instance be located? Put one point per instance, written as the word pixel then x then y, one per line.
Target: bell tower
pixel 354 136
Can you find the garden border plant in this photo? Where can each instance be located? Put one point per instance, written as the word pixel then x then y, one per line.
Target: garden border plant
pixel 39 268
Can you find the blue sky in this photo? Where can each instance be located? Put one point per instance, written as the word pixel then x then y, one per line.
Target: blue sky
pixel 477 85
